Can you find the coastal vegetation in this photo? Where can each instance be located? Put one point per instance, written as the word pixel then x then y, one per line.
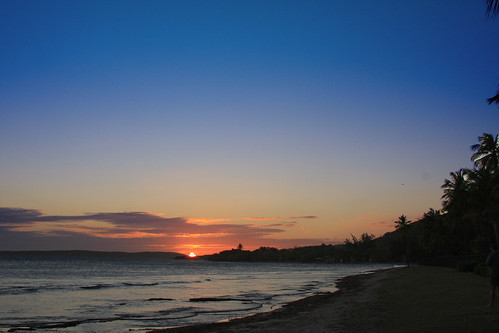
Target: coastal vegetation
pixel 463 228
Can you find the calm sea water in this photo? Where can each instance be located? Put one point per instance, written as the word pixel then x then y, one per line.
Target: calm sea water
pixel 78 294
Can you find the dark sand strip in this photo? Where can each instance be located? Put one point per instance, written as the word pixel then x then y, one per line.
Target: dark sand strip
pixel 414 299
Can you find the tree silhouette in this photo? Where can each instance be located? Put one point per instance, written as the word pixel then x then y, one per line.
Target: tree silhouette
pixel 434 232
pixel 486 154
pixel 484 181
pixel 360 249
pixel 455 192
pixel 402 222
pixel 473 195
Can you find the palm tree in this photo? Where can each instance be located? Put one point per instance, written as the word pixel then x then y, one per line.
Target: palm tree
pixel 473 195
pixel 486 154
pixel 455 203
pixel 432 214
pixel 435 232
pixel 402 223
pixel 484 198
pixel 484 181
pixel 456 191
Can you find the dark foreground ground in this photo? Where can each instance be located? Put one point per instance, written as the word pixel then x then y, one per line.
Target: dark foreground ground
pixel 413 299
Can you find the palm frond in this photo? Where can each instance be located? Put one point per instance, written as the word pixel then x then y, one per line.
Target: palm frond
pixel 475 147
pixel 492 7
pixel 487 152
pixel 494 99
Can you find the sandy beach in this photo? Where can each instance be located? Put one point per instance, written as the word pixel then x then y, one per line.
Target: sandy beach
pixel 413 299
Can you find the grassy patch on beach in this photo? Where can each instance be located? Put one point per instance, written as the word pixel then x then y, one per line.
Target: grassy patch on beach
pixel 426 299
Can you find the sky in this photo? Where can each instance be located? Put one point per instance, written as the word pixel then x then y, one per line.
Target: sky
pixel 195 126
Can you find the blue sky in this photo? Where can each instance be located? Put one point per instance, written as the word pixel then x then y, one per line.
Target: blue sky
pixel 224 111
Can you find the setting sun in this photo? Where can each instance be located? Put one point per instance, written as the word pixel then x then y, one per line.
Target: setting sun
pixel 192 255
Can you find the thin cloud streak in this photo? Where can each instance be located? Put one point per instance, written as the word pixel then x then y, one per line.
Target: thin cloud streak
pixel 206 221
pixel 288 224
pixel 382 226
pixel 279 218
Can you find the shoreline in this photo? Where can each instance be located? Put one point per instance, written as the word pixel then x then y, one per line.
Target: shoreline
pixel 326 308
pixel 408 299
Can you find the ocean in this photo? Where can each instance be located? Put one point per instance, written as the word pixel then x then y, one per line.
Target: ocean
pixel 111 294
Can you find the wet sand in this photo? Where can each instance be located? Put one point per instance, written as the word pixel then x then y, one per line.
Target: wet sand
pixel 410 299
pixel 319 313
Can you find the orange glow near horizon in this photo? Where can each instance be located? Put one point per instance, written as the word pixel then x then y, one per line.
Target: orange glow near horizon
pixel 205 235
pixel 201 236
pixel 206 221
